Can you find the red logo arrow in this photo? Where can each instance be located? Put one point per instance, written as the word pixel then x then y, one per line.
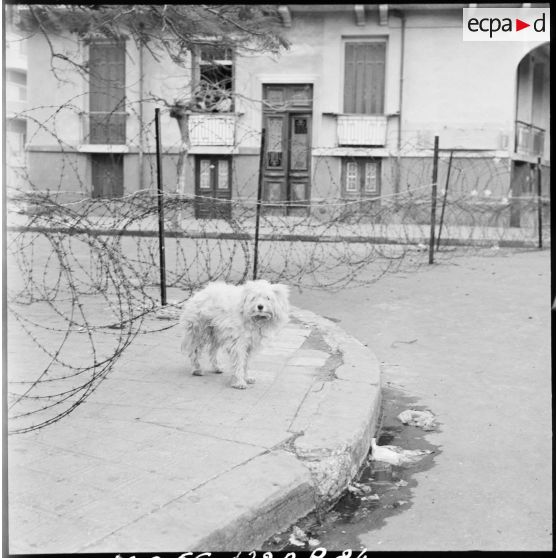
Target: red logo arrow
pixel 519 24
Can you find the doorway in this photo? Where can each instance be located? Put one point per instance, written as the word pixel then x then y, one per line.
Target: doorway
pixel 213 187
pixel 287 119
pixel 107 175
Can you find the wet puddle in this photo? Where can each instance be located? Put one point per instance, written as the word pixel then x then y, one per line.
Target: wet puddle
pixel 379 491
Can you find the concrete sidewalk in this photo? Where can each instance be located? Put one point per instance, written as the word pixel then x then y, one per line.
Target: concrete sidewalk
pixel 159 460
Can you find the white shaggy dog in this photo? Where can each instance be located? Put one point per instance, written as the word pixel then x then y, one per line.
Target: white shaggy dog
pixel 233 318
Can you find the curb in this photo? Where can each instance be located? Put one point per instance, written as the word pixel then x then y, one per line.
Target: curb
pixel 335 424
pixel 337 440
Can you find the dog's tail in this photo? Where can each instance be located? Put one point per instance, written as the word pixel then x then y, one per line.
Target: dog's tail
pixel 186 335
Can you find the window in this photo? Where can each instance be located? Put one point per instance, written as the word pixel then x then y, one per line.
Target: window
pixel 16 85
pixel 364 77
pixel 540 108
pixel 361 177
pixel 281 97
pixel 15 45
pixel 214 79
pixel 371 178
pixel 205 174
pixel 213 173
pixel 351 177
pixel 274 142
pixel 223 174
pixel 16 133
pixel 107 96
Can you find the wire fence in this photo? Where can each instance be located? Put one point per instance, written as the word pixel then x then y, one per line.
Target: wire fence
pixel 83 270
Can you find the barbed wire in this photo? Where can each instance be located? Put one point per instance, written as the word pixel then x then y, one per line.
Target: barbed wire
pixel 83 271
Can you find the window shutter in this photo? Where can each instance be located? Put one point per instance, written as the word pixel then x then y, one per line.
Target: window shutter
pixel 364 77
pixel 361 177
pixel 376 76
pixel 370 175
pixel 107 92
pixel 351 184
pixel 350 78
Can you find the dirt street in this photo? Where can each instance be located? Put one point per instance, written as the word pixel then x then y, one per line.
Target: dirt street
pixel 471 341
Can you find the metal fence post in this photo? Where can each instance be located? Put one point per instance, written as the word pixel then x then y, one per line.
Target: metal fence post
pixel 444 202
pixel 434 196
pixel 160 210
pixel 259 205
pixel 539 202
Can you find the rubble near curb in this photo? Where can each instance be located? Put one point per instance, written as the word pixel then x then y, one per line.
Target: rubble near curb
pixel 336 443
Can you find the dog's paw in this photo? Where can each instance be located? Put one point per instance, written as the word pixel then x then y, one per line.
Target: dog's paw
pixel 250 380
pixel 239 385
pixel 197 373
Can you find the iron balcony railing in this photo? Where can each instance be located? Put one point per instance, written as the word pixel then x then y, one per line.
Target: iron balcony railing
pixel 529 139
pixel 361 129
pixel 212 129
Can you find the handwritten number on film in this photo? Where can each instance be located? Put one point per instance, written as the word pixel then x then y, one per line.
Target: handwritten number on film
pixel 316 553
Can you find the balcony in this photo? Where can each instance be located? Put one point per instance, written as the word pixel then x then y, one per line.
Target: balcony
pixel 211 129
pixel 361 129
pixel 529 139
pixel 16 61
pixel 16 54
pixel 15 108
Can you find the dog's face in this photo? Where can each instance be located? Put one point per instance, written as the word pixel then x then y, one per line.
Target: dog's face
pixel 263 301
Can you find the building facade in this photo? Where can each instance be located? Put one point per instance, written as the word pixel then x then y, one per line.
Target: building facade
pixel 16 104
pixel 350 111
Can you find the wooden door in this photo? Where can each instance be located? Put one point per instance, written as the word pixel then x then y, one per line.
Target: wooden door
pixel 107 175
pixel 213 187
pixel 275 167
pixel 298 146
pixel 286 179
pixel 287 163
pixel 287 121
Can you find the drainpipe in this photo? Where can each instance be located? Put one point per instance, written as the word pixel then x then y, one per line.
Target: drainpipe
pixel 400 15
pixel 141 144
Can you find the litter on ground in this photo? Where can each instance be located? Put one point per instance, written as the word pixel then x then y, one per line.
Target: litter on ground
pixel 169 312
pixel 298 537
pixel 371 498
pixel 358 488
pixel 422 419
pixel 395 455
